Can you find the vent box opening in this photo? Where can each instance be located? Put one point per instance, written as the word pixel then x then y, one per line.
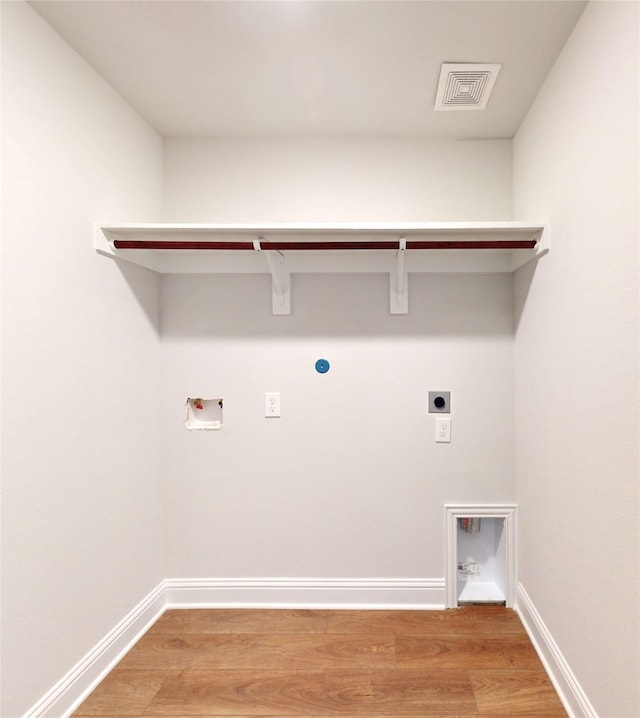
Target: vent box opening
pixel 481 554
pixel 481 560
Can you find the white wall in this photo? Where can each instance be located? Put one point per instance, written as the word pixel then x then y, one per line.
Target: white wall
pixel 349 482
pixel 344 179
pixel 576 165
pixel 81 521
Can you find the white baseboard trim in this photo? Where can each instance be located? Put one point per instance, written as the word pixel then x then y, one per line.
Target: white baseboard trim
pixel 566 684
pixel 306 593
pixel 73 688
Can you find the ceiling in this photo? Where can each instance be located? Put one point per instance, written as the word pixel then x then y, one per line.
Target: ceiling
pixel 314 67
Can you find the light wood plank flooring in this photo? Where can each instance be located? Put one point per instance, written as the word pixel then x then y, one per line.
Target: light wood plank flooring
pixel 473 661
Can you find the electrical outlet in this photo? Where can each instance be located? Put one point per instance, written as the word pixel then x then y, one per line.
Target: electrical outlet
pixel 272 404
pixel 443 431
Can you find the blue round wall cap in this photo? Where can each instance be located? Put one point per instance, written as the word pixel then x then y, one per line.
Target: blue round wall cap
pixel 322 366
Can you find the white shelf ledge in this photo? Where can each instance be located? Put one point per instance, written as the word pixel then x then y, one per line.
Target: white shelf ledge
pixel 397 249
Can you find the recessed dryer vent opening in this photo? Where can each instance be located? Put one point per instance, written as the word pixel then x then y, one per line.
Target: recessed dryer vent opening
pixel 481 554
pixel 481 560
pixel 203 414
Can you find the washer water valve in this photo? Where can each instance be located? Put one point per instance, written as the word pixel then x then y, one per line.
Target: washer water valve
pixel 203 414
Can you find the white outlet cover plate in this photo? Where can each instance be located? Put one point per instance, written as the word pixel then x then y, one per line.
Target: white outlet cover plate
pixel 443 430
pixel 272 404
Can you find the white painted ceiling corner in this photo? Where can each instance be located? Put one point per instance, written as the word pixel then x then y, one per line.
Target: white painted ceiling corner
pixel 314 67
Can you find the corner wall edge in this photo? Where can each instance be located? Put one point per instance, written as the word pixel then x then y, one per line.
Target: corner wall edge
pixel 571 693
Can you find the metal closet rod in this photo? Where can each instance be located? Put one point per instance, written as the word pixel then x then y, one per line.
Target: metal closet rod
pixel 302 246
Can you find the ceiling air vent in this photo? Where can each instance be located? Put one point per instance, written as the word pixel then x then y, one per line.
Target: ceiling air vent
pixel 465 86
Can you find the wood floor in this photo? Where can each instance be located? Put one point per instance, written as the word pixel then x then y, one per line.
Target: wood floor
pixel 473 661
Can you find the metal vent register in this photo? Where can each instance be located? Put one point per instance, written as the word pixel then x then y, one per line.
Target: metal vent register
pixel 465 86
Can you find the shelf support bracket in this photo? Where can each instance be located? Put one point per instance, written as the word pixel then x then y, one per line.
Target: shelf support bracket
pixel 398 284
pixel 280 280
